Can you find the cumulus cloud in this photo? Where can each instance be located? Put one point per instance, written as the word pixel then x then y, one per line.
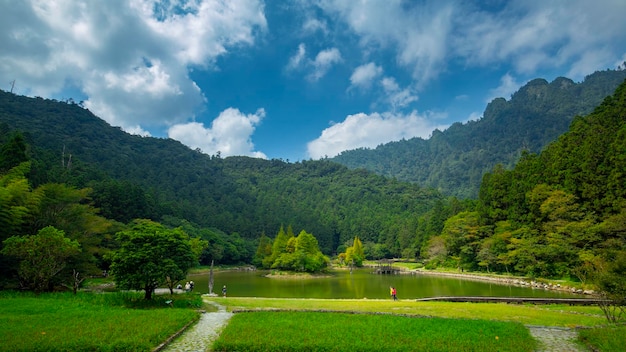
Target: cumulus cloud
pixel 364 75
pixel 298 58
pixel 368 131
pixel 229 134
pixel 324 60
pixel 313 25
pixel 318 67
pixel 396 96
pixel 131 59
pixel 532 35
pixel 508 86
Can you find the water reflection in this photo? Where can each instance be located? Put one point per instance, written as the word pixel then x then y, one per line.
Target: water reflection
pixel 362 283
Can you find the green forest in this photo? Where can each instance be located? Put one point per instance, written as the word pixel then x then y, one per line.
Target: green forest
pixel 453 161
pixel 69 178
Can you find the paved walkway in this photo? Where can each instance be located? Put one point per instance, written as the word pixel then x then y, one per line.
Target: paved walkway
pixel 556 339
pixel 200 336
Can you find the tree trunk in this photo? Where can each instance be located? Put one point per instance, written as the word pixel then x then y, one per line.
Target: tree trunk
pixel 148 289
pixel 211 279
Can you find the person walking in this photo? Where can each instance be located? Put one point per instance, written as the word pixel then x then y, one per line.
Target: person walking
pixel 394 293
pixel 224 291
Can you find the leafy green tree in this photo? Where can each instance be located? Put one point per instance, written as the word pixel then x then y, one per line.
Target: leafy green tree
pixel 355 254
pixel 13 152
pixel 279 246
pixel 264 250
pixel 149 254
pixel 17 202
pixel 42 256
pixel 609 276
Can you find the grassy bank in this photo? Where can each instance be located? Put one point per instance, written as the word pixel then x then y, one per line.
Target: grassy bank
pixel 548 315
pixel 90 322
pixel 312 331
pixel 456 323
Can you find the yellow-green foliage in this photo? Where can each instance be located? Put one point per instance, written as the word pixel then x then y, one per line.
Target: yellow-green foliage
pixel 526 314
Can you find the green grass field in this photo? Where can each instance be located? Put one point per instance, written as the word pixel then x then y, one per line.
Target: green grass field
pixel 89 322
pixel 312 331
pixel 126 322
pixel 548 315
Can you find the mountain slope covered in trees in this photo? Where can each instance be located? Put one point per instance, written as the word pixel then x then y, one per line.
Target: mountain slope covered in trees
pixel 560 213
pixel 161 179
pixel 454 160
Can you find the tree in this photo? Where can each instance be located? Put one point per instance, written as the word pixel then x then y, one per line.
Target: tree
pixel 354 254
pixel 150 255
pixel 42 256
pixel 263 251
pixel 13 152
pixel 302 254
pixel 609 278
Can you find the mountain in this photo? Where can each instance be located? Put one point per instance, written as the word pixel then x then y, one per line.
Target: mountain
pixel 560 213
pixel 161 179
pixel 453 161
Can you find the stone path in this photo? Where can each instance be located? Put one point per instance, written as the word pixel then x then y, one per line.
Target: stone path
pixel 199 337
pixel 556 339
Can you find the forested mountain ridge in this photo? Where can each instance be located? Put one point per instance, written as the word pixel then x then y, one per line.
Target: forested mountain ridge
pixel 454 160
pixel 161 179
pixel 559 213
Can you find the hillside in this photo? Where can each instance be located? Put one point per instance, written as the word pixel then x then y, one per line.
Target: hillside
pixel 560 213
pixel 164 180
pixel 453 161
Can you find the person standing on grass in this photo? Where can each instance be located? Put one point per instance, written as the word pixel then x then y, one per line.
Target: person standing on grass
pixel 224 291
pixel 391 291
pixel 394 293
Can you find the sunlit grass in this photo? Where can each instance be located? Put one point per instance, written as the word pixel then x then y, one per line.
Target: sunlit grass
pixel 89 322
pixel 611 338
pixel 312 331
pixel 547 315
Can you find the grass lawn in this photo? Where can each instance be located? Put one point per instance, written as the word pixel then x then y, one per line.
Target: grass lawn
pixel 89 322
pixel 548 315
pixel 461 318
pixel 612 338
pixel 313 331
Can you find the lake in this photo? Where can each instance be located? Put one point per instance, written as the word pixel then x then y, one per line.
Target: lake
pixel 361 283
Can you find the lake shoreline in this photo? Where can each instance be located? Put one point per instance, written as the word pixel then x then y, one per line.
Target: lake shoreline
pixel 499 279
pixel 506 280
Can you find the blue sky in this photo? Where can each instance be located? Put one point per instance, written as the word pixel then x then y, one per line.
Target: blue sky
pixel 298 79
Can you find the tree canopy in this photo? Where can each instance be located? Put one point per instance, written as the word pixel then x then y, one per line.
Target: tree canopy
pixel 149 255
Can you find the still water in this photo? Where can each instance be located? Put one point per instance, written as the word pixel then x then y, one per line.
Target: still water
pixel 359 284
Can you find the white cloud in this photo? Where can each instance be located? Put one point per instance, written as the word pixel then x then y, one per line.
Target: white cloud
pixel 396 96
pixel 230 134
pixel 363 75
pixel 508 86
pixel 324 60
pixel 531 35
pixel 363 130
pixel 130 58
pixel 318 67
pixel 313 25
pixel 297 59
